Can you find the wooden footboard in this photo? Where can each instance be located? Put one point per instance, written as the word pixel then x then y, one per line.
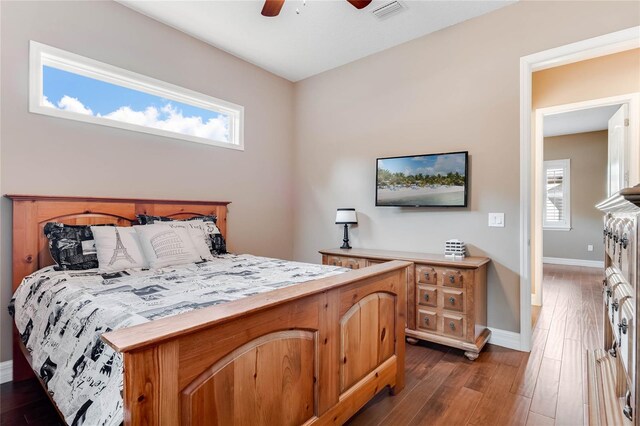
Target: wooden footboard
pixel 313 353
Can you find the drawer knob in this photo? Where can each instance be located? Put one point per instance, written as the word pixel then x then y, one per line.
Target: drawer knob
pixel 623 326
pixel 452 325
pixel 426 320
pixel 627 410
pixel 350 266
pixel 622 329
pixel 426 276
pixel 452 300
pixel 426 297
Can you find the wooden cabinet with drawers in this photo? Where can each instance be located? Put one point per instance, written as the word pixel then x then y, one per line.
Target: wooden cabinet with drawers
pixel 446 299
pixel 613 387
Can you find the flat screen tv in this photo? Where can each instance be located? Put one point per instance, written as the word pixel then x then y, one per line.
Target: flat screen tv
pixel 431 180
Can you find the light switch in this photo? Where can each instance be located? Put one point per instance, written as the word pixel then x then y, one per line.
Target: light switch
pixel 590 247
pixel 496 220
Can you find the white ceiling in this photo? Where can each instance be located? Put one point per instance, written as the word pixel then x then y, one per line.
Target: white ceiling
pixel 581 121
pixel 325 35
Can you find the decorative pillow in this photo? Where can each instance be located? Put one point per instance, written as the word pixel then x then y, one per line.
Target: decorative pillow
pixel 166 246
pixel 118 249
pixel 199 237
pixel 216 242
pixel 72 247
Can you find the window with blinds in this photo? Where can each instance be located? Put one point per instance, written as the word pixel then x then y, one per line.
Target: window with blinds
pixel 557 204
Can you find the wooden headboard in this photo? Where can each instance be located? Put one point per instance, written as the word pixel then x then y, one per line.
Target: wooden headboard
pixel 32 212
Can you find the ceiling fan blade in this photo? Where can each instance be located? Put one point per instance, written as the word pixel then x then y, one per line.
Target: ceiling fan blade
pixel 359 4
pixel 272 7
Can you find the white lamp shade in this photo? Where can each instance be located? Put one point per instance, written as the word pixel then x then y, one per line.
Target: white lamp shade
pixel 347 216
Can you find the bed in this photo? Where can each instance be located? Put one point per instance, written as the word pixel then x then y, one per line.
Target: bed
pixel 308 353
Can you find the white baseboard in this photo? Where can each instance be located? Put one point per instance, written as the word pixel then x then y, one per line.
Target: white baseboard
pixel 6 371
pixel 574 262
pixel 504 338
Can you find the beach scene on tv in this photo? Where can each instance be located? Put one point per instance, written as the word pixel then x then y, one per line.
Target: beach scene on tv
pixel 429 180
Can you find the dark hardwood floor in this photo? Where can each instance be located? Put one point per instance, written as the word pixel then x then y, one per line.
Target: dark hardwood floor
pixel 502 387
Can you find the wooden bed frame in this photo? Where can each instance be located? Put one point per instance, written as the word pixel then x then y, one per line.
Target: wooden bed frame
pixel 305 354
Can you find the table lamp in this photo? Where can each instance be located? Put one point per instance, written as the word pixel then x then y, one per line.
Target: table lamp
pixel 346 217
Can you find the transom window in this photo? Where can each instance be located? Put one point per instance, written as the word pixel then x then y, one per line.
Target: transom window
pixel 557 202
pixel 66 85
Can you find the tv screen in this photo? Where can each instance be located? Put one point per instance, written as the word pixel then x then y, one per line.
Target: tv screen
pixel 432 180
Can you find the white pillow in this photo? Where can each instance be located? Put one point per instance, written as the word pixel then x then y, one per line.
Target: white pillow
pixel 210 229
pixel 166 246
pixel 198 235
pixel 117 249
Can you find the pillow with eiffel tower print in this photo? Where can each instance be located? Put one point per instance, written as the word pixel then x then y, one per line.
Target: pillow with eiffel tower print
pixel 118 248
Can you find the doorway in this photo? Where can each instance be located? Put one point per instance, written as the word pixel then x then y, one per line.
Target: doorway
pixel 531 153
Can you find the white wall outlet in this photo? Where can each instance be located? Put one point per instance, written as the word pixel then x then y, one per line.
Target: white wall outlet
pixel 496 220
pixel 590 247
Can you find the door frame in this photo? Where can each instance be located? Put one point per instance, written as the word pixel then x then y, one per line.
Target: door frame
pixel 586 49
pixel 632 100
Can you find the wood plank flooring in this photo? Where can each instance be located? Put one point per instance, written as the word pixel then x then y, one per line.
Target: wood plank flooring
pixel 505 387
pixel 502 387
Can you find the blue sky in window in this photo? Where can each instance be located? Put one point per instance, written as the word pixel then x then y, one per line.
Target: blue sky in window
pixel 427 165
pixel 75 93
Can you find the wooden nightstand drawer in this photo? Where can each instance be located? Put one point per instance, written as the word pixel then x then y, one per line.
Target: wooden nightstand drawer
pixel 428 296
pixel 353 263
pixel 427 320
pixel 453 300
pixel 346 262
pixel 452 278
pixel 426 275
pixel 453 325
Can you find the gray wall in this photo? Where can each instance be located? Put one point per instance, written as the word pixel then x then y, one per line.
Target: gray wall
pixel 588 155
pixel 456 89
pixel 46 155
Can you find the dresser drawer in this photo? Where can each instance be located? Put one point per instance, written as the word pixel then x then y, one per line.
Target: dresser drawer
pixel 428 296
pixel 453 325
pixel 426 275
pixel 346 262
pixel 453 300
pixel 453 277
pixel 427 320
pixel 625 333
pixel 353 263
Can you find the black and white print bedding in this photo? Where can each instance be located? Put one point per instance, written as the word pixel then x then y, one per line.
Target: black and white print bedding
pixel 61 314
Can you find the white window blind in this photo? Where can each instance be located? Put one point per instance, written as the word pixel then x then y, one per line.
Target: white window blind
pixel 557 204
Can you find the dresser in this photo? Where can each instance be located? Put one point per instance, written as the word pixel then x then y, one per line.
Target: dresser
pixel 612 370
pixel 446 298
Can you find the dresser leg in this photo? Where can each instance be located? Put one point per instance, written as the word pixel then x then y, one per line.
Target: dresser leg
pixel 472 355
pixel 412 341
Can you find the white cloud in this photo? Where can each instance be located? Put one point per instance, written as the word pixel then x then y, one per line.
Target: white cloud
pixel 46 102
pixel 67 103
pixel 166 118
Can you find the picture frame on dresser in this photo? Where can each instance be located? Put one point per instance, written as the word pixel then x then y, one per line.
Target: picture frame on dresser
pixel 446 298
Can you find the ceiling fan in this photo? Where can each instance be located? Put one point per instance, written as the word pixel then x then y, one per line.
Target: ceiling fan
pixel 273 7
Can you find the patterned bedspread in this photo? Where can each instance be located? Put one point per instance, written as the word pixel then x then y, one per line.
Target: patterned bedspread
pixel 61 314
